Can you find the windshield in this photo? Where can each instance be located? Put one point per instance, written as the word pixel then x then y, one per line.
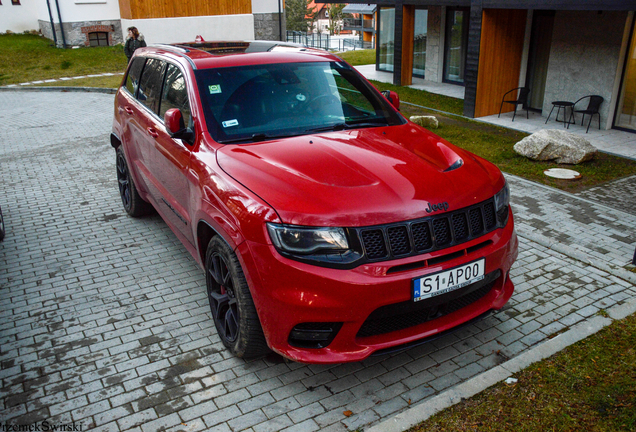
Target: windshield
pixel 254 103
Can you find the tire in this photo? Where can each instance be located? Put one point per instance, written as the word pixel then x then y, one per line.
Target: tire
pixel 231 303
pixel 1 226
pixel 134 205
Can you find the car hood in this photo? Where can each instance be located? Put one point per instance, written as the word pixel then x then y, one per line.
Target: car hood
pixel 360 177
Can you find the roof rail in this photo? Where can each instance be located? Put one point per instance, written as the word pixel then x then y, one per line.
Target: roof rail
pixel 182 51
pixel 170 47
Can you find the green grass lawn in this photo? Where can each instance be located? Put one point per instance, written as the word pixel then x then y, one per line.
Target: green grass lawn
pixel 29 57
pixel 589 386
pixel 358 57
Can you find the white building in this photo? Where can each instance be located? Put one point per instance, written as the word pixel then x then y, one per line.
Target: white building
pixel 104 22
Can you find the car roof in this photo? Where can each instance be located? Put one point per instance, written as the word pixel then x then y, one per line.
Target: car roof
pixel 204 55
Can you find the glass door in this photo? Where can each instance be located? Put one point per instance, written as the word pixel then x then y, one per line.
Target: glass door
pixel 540 43
pixel 626 112
pixel 386 39
pixel 456 44
pixel 419 42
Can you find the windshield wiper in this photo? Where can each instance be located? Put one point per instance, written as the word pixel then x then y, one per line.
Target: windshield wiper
pixel 346 126
pixel 255 138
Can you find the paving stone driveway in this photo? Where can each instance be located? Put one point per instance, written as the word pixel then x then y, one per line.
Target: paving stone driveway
pixel 105 321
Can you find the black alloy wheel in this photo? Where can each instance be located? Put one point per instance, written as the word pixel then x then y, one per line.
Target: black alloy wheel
pixel 130 198
pixel 231 303
pixel 123 178
pixel 222 298
pixel 1 226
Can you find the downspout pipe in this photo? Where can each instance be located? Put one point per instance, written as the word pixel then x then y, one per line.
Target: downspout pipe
pixel 48 5
pixel 59 16
pixel 280 22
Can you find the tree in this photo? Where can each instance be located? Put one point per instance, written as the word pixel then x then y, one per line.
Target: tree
pixel 298 14
pixel 335 18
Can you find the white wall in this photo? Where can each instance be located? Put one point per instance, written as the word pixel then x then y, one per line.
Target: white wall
pixel 80 10
pixel 267 6
pixel 171 30
pixel 25 16
pixel 160 30
pixel 18 18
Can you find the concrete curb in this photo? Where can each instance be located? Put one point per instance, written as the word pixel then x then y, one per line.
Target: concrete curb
pixel 62 89
pixel 422 411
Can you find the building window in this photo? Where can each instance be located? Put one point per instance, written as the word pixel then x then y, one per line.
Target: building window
pixel 15 2
pixel 98 39
pixel 419 42
pixel 386 39
pixel 456 44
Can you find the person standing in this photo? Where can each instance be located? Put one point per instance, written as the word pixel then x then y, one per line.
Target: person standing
pixel 134 40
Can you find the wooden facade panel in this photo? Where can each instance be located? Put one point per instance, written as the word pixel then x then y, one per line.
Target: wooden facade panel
pixel 144 9
pixel 124 9
pixel 408 31
pixel 501 50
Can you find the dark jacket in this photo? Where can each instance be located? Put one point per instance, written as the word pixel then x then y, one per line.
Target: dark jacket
pixel 132 44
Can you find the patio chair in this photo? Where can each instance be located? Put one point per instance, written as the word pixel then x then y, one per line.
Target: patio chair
pixel 522 99
pixel 592 108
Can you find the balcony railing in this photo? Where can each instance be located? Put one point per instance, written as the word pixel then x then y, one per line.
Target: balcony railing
pixel 314 40
pixel 358 24
pixel 318 40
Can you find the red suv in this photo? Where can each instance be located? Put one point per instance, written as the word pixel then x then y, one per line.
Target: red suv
pixel 329 227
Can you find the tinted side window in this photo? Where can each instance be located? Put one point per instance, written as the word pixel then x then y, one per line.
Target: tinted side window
pixel 150 84
pixel 132 79
pixel 175 94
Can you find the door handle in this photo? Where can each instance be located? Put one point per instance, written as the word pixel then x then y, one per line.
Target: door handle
pixel 129 110
pixel 152 132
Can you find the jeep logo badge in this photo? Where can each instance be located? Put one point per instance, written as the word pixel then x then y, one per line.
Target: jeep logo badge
pixel 436 207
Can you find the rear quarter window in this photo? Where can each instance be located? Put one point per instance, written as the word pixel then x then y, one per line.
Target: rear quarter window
pixel 150 83
pixel 134 72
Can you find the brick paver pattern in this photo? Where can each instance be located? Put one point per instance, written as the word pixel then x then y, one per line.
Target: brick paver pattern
pixel 105 320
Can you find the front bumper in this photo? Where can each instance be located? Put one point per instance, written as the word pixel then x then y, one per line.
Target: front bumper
pixel 287 293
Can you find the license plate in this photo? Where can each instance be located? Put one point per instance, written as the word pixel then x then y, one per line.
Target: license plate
pixel 448 280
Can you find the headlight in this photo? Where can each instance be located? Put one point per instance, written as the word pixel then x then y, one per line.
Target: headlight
pixel 307 240
pixel 502 202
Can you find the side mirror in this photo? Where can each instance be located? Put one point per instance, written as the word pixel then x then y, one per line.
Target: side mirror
pixel 392 97
pixel 176 127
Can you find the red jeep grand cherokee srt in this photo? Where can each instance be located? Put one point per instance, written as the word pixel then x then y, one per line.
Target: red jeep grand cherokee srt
pixel 329 227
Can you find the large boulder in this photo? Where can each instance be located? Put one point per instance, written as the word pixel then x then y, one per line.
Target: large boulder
pixel 553 144
pixel 429 122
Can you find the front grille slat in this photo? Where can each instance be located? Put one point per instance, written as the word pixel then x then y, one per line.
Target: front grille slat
pixel 422 236
pixel 399 240
pixel 428 234
pixel 476 221
pixel 374 244
pixel 489 216
pixel 441 228
pixel 460 226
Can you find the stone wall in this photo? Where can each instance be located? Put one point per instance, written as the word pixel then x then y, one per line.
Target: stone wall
pixel 76 33
pixel 266 26
pixel 584 58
